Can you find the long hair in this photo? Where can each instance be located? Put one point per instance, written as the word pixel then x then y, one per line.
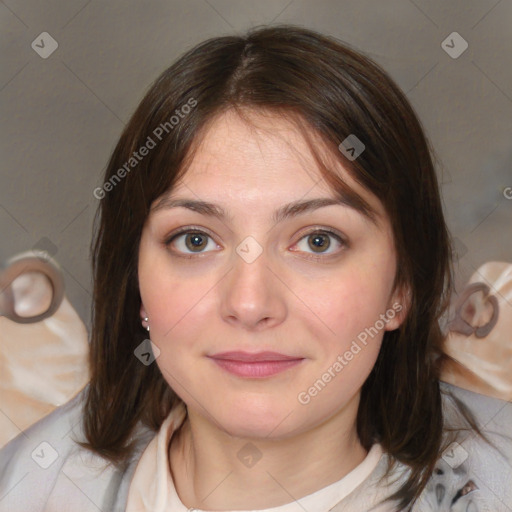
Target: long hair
pixel 327 89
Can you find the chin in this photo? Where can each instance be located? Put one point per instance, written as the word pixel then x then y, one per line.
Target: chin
pixel 254 420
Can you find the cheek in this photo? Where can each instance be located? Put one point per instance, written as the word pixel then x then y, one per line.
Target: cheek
pixel 174 306
pixel 347 308
pixel 172 295
pixel 178 313
pixel 346 356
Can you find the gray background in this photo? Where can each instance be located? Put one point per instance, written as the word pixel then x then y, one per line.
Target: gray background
pixel 62 115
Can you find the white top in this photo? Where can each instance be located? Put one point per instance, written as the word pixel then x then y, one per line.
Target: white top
pixel 152 488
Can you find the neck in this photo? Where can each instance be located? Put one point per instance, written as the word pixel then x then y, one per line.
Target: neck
pixel 213 470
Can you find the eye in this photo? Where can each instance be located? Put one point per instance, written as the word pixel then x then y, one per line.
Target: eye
pixel 320 241
pixel 190 241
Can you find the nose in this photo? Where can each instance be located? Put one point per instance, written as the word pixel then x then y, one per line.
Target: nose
pixel 252 297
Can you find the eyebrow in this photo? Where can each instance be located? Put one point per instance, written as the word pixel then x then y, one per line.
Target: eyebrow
pixel 289 210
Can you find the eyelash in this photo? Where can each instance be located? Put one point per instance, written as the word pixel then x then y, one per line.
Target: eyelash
pixel 199 231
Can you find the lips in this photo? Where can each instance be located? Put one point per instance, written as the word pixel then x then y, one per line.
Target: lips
pixel 246 357
pixel 255 366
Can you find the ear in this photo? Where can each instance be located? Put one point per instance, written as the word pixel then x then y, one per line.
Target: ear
pixel 398 307
pixel 142 312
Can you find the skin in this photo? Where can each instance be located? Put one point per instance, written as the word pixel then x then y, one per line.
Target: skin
pixel 291 299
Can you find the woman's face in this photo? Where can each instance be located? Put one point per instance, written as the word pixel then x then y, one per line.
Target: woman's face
pixel 313 285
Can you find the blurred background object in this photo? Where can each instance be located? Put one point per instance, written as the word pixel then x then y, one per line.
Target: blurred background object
pixel 43 343
pixel 480 333
pixel 31 288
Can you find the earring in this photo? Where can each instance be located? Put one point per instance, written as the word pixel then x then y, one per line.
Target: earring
pixel 146 319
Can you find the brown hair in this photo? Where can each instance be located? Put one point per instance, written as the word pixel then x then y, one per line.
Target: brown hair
pixel 327 89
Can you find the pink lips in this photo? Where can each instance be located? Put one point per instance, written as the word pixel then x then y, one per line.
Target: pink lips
pixel 260 365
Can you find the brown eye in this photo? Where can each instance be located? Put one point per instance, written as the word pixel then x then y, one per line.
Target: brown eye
pixel 321 243
pixel 196 241
pixel 190 242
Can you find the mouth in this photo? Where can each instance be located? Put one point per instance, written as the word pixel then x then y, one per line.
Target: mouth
pixel 258 365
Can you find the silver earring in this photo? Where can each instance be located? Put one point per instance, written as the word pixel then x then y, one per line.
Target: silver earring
pixel 146 319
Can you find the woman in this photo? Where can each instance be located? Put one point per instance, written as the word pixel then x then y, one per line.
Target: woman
pixel 271 216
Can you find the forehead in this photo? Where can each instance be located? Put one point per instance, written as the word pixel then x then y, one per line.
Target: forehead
pixel 258 145
pixel 261 156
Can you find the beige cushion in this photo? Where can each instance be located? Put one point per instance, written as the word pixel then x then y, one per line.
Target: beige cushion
pixel 42 366
pixel 480 333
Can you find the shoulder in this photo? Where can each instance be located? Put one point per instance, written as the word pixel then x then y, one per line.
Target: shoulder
pixel 45 464
pixel 483 407
pixel 473 474
pixel 43 443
